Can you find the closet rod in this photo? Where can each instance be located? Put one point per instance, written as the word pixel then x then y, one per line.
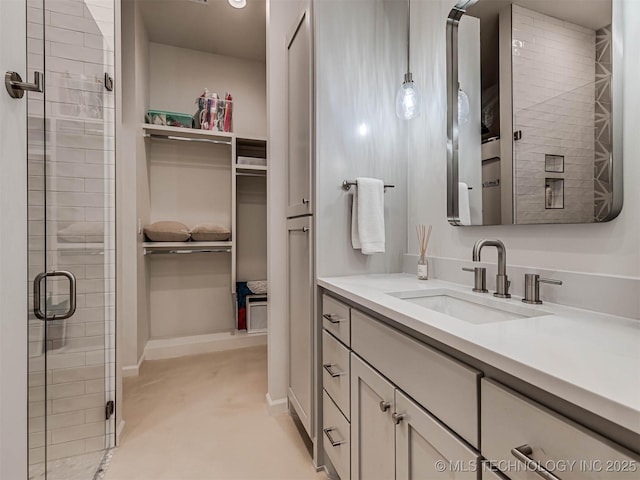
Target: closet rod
pixel 187 139
pixel 242 174
pixel 186 252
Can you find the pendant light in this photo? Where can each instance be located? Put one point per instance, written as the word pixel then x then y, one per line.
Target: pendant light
pixel 463 107
pixel 408 98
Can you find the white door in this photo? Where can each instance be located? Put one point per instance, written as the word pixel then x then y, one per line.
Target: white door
pixel 372 427
pixel 13 248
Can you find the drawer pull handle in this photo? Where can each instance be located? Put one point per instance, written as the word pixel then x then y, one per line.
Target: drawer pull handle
pixel 329 368
pixel 334 443
pixel 331 318
pixel 384 406
pixel 397 418
pixel 522 453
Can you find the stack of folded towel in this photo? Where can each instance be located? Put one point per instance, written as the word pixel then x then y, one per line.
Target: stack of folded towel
pixel 367 216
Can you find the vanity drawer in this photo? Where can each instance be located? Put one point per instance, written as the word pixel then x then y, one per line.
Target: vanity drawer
pixel 336 437
pixel 511 421
pixel 442 385
pixel 336 372
pixel 336 318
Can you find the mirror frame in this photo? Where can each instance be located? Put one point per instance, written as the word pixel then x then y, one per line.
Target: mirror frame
pixel 615 157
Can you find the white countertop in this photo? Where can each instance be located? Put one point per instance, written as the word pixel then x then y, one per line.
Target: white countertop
pixel 589 359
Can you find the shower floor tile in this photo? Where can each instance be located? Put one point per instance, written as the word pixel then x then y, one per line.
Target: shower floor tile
pixel 79 467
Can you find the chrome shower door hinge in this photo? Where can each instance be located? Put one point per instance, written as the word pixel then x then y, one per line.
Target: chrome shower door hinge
pixel 109 409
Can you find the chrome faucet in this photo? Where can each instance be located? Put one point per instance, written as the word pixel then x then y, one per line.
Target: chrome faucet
pixel 502 282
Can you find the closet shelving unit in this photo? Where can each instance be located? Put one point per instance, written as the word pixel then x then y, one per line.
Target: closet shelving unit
pixel 247 246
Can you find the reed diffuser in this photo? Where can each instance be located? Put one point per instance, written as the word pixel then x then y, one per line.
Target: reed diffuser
pixel 423 240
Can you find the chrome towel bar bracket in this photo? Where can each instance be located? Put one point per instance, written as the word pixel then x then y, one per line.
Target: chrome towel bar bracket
pixel 346 185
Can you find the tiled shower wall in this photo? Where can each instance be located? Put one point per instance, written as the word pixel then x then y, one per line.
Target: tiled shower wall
pixel 71 224
pixel 553 92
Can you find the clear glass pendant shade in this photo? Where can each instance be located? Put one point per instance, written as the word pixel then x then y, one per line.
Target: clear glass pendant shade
pixel 463 107
pixel 408 99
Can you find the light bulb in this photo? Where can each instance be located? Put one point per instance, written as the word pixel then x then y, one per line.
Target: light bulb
pixel 463 107
pixel 238 3
pixel 363 129
pixel 408 99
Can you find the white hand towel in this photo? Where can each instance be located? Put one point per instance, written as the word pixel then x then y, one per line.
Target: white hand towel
pixel 464 209
pixel 367 216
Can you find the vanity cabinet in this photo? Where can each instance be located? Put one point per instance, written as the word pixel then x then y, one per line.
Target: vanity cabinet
pixel 372 428
pixel 426 449
pixel 447 388
pixel 300 313
pixel 336 384
pixel 415 412
pixel 393 437
pixel 515 428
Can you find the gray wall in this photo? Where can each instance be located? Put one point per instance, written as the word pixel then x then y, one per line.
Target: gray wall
pixel 608 248
pixel 360 49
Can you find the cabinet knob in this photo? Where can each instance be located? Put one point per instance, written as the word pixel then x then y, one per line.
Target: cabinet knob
pixel 305 201
pixel 397 418
pixel 384 406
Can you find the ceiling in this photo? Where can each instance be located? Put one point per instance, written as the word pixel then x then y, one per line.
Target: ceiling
pixel 213 27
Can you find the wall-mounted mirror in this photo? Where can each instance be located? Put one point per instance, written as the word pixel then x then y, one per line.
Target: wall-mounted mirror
pixel 534 112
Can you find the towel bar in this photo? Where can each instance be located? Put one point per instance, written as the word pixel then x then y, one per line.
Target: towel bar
pixel 346 185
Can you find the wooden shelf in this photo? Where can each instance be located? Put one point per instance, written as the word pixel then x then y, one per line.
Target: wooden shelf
pixel 253 168
pixel 187 133
pixel 185 245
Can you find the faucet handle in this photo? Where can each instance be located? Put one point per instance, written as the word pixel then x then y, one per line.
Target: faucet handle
pixel 550 281
pixel 532 283
pixel 479 278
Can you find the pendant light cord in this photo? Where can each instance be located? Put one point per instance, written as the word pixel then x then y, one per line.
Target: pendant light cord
pixel 409 36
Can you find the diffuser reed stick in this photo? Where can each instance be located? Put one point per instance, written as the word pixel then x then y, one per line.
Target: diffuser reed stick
pixel 424 236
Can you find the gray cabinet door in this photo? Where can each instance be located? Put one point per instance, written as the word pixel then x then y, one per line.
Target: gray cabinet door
pixel 426 449
pixel 300 305
pixel 299 113
pixel 372 429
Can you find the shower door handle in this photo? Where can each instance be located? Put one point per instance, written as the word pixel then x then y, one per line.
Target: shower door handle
pixel 37 282
pixel 16 87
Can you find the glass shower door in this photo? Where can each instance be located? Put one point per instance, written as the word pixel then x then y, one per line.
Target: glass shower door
pixel 71 183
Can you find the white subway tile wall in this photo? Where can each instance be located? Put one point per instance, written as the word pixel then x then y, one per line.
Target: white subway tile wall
pixel 553 93
pixel 71 227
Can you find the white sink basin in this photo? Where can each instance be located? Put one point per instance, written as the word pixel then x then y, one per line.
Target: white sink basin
pixel 468 308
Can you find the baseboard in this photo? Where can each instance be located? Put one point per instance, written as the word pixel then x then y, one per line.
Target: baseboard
pixel 119 432
pixel 133 370
pixel 163 348
pixel 276 407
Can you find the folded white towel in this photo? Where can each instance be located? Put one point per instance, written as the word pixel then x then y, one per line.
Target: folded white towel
pixel 258 287
pixel 464 209
pixel 367 216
